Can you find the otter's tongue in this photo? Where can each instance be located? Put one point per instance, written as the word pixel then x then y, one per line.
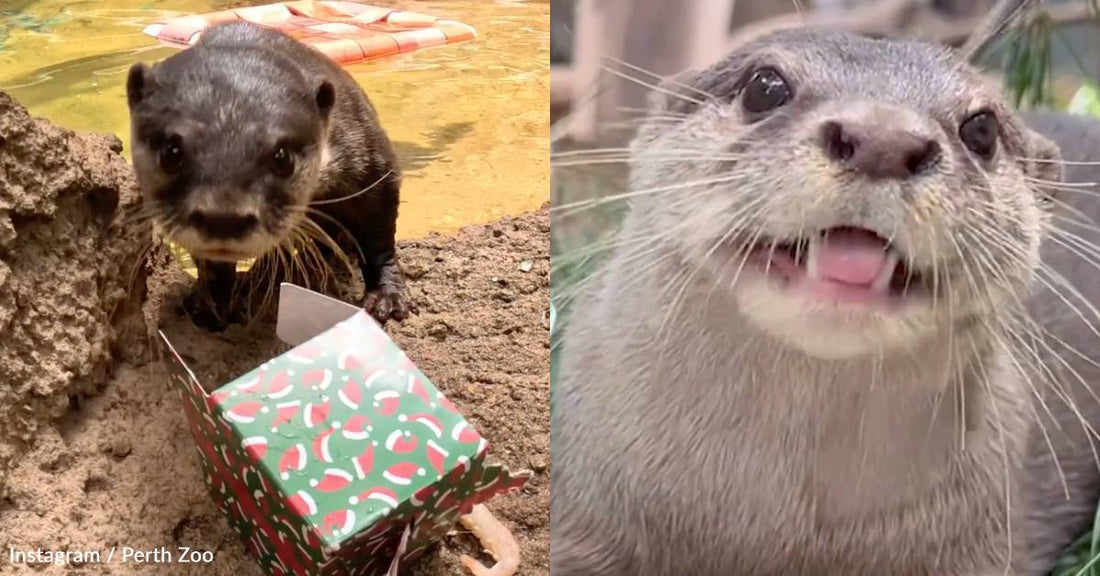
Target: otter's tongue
pixel 850 256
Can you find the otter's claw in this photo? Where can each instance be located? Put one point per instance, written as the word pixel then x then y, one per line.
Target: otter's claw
pixel 389 301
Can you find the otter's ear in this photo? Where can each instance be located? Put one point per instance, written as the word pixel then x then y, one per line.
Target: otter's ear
pixel 139 83
pixel 326 98
pixel 1044 159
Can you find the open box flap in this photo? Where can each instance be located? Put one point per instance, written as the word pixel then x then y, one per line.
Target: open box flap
pixel 178 369
pixel 304 313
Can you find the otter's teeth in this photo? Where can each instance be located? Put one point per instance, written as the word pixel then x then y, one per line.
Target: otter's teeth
pixel 882 281
pixel 811 258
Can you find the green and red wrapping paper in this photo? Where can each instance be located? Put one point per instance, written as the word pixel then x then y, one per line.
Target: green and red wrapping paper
pixel 322 457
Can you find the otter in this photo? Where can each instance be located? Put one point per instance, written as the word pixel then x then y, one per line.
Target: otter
pixel 847 327
pixel 240 140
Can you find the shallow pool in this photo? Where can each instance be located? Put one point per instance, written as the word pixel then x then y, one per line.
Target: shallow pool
pixel 470 121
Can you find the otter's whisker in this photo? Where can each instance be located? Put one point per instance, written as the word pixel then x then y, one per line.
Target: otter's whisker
pixel 984 381
pixel 1005 327
pixel 576 207
pixel 1055 161
pixel 354 194
pixel 652 86
pixel 1059 185
pixel 658 77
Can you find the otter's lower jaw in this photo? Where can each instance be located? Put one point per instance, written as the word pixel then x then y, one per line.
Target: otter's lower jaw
pixel 832 332
pixel 221 255
pixel 198 247
pixel 843 266
pixel 840 295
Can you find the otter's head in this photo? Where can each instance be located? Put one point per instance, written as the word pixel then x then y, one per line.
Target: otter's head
pixel 227 144
pixel 855 195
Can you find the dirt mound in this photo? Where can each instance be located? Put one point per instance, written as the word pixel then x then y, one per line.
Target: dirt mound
pixel 120 469
pixel 60 278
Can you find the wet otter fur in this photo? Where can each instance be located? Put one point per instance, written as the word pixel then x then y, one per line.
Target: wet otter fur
pixel 252 145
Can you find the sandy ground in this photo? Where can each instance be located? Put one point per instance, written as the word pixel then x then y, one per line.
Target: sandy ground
pixel 109 463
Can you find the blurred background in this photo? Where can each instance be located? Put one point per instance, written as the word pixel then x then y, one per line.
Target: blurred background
pixel 606 54
pixel 664 37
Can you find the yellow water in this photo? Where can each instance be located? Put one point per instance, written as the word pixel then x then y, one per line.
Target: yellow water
pixel 470 121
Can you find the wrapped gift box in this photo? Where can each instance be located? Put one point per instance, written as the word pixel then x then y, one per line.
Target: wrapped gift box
pixel 339 456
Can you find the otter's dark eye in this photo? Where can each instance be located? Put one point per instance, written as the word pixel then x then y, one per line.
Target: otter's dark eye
pixel 979 134
pixel 282 162
pixel 171 155
pixel 766 90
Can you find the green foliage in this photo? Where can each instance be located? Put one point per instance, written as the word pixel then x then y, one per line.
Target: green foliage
pixel 568 272
pixel 556 277
pixel 1028 80
pixel 1086 101
pixel 1028 71
pixel 571 268
pixel 1083 557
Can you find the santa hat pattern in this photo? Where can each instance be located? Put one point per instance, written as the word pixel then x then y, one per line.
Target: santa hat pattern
pixel 315 413
pixel 245 412
pixel 402 473
pixel 293 459
pixel 255 447
pixel 356 428
pixel 430 421
pixel 351 394
pixel 338 522
pixel 317 379
pixel 321 447
pixel 387 402
pixel 364 463
pixel 334 480
pixel 401 442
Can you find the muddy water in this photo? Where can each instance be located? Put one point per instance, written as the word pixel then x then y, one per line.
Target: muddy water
pixel 470 121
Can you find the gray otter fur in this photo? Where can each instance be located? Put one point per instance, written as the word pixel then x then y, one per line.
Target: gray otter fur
pixel 709 423
pixel 207 127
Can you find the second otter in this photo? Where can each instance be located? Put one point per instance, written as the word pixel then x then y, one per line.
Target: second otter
pixel 235 138
pixel 812 350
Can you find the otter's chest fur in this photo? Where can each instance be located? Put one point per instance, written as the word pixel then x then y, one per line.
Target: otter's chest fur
pixel 724 454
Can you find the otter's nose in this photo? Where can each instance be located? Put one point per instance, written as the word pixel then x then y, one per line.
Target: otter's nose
pixel 878 152
pixel 223 226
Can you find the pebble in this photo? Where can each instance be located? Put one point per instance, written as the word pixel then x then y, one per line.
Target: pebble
pixel 537 463
pixel 120 448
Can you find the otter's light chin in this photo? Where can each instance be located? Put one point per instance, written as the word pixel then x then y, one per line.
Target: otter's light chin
pixel 254 246
pixel 830 330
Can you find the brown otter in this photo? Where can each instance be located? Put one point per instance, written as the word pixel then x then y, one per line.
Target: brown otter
pixel 847 328
pixel 240 139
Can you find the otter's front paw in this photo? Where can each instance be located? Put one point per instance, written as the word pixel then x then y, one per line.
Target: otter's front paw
pixel 206 313
pixel 389 301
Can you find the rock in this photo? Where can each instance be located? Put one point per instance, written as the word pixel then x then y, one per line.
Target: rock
pixel 538 464
pixel 64 267
pixel 120 448
pixel 438 330
pixel 414 271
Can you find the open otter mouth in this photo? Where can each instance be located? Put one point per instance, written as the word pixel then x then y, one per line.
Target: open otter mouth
pixel 841 264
